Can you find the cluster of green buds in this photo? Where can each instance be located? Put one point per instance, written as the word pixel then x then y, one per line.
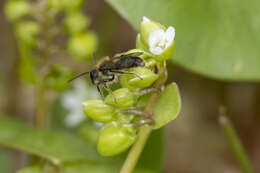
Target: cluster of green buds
pixel 121 111
pixel 39 28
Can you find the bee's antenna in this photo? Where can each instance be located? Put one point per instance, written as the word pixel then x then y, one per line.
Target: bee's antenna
pixel 81 74
pixel 93 58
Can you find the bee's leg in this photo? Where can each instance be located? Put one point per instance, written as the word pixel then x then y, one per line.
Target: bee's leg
pixel 126 72
pixel 147 118
pixel 149 90
pixel 100 92
pixel 143 122
pixel 142 113
pixel 110 92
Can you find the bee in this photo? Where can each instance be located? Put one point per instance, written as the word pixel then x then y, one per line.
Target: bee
pixel 108 68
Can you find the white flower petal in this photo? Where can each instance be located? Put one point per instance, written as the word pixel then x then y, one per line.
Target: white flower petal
pixel 74 118
pixel 156 50
pixel 69 99
pixel 145 19
pixel 72 100
pixel 169 36
pixel 155 37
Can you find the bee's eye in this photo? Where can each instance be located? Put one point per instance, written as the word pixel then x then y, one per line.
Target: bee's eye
pixel 93 75
pixel 96 73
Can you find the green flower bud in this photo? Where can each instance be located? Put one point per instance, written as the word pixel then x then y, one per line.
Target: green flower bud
pixel 156 39
pixel 89 131
pixel 142 101
pixel 145 79
pixel 122 98
pixel 15 10
pixel 150 62
pixel 167 54
pixel 125 118
pixel 115 138
pixel 56 4
pixel 67 5
pixel 73 5
pixel 144 56
pixel 137 50
pixel 140 44
pixel 57 78
pixel 82 46
pixel 99 111
pixel 76 22
pixel 27 31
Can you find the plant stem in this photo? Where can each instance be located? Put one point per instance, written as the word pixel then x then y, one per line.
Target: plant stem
pixel 235 144
pixel 43 68
pixel 145 131
pixel 41 109
pixel 136 150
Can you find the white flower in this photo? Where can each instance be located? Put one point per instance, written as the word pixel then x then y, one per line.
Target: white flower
pixel 145 19
pixel 159 40
pixel 72 100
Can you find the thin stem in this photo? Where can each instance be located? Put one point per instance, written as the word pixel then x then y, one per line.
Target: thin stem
pixel 41 109
pixel 136 150
pixel 145 131
pixel 235 143
pixel 43 68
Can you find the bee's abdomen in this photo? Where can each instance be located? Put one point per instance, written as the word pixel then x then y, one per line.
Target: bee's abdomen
pixel 128 62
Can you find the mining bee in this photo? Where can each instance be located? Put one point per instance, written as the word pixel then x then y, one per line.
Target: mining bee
pixel 108 68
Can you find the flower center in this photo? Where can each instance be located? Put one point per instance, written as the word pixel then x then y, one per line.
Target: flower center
pixel 161 43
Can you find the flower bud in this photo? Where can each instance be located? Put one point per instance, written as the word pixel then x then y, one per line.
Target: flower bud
pixel 73 5
pixel 122 98
pixel 27 31
pixel 76 22
pixel 99 111
pixel 67 5
pixel 167 54
pixel 156 39
pixel 115 138
pixel 140 44
pixel 15 10
pixel 82 46
pixel 144 77
pixel 57 78
pixel 89 131
pixel 56 4
pixel 143 56
pixel 125 118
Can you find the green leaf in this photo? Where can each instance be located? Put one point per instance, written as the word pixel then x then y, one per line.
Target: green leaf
pixel 154 148
pixel 81 168
pixel 168 106
pixel 52 145
pixel 5 161
pixel 33 169
pixel 146 164
pixel 217 38
pixel 74 168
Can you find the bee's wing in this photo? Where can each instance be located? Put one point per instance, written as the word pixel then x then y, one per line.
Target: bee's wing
pixel 122 55
pixel 134 54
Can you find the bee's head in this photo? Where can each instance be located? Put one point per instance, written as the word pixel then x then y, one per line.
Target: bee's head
pixel 94 76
